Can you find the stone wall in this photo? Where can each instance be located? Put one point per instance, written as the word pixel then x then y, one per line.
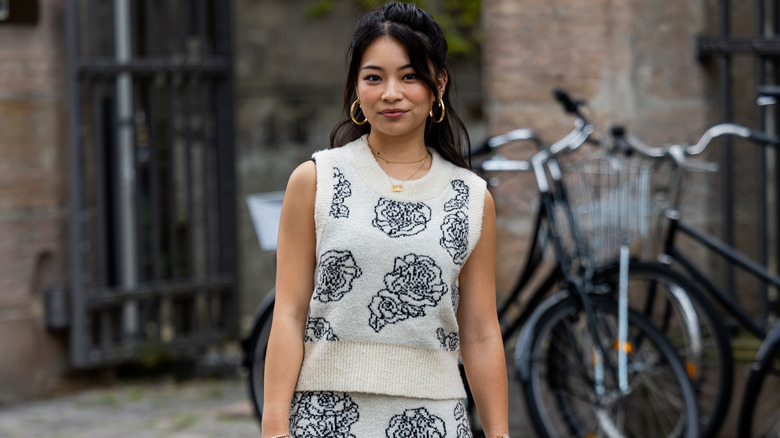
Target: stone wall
pixel 634 62
pixel 33 190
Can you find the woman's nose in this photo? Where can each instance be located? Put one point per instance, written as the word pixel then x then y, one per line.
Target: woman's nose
pixel 392 91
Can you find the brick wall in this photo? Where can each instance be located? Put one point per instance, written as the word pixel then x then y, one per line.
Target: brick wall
pixel 633 61
pixel 33 185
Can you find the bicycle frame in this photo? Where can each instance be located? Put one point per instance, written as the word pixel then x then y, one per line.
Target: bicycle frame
pixel 542 237
pixel 576 279
pixel 729 253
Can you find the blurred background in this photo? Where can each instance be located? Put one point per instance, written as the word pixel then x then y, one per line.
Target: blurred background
pixel 133 131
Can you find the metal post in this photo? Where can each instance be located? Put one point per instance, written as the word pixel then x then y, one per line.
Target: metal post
pixel 126 157
pixel 774 162
pixel 728 154
pixel 78 332
pixel 761 174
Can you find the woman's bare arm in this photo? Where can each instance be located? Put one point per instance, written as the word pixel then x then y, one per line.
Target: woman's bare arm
pixel 481 346
pixel 294 285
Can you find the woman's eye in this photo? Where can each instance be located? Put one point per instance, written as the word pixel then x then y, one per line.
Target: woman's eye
pixel 372 78
pixel 410 76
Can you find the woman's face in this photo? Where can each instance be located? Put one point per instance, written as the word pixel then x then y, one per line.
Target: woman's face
pixel 393 99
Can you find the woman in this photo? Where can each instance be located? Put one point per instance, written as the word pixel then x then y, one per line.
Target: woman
pixel 386 258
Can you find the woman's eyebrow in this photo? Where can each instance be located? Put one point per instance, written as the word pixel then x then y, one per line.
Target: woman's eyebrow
pixel 375 67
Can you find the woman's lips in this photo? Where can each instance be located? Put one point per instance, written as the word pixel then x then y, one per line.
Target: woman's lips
pixel 393 114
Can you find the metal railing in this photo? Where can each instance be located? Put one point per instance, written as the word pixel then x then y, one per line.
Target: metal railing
pixel 152 184
pixel 729 48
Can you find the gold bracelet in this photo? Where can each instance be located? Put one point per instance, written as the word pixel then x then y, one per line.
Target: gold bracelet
pixel 286 435
pixel 506 435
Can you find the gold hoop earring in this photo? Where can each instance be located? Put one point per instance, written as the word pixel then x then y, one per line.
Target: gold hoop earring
pixel 443 111
pixel 352 113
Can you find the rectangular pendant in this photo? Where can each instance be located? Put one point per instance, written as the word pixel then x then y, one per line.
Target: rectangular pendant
pixel 398 188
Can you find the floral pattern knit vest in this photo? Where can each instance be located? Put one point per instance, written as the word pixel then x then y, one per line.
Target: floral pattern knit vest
pixel 382 313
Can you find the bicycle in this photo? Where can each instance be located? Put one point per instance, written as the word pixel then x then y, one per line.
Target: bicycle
pixel 254 348
pixel 607 348
pixel 670 300
pixel 766 363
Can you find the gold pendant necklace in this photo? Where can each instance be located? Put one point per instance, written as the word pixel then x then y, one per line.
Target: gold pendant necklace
pixel 396 188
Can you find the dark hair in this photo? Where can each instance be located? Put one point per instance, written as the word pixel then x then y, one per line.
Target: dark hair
pixel 424 41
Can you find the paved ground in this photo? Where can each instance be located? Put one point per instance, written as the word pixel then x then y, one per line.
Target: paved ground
pixel 197 408
pixel 194 409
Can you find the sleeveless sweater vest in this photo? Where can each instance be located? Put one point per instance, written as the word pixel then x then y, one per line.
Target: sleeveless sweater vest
pixel 382 315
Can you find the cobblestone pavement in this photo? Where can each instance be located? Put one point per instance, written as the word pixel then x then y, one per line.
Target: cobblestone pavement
pixel 199 408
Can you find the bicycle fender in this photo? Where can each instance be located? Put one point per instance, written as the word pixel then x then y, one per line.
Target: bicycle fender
pixel 524 343
pixel 266 302
pixel 263 311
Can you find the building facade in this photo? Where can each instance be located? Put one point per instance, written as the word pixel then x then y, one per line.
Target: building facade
pixel 636 62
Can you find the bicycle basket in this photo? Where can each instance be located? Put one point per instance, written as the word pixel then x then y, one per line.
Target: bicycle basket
pixel 611 206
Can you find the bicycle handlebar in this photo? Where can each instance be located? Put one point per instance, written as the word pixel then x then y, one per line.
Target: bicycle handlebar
pixel 570 142
pixel 515 135
pixel 678 152
pixel 570 105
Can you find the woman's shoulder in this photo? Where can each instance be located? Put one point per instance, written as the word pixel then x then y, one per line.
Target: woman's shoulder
pixel 304 177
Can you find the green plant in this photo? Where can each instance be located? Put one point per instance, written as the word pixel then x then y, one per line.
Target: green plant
pixel 459 19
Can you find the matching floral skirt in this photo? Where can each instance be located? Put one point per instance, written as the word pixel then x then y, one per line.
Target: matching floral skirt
pixel 358 415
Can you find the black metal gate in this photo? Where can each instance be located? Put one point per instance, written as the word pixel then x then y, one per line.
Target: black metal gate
pixel 749 45
pixel 152 190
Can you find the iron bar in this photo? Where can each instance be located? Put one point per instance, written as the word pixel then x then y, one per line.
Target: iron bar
pixel 762 30
pixel 159 127
pixel 76 174
pixel 154 183
pixel 727 159
pixel 172 190
pixel 93 28
pixel 188 179
pixel 187 344
pixel 729 46
pixel 226 158
pixel 127 165
pixel 102 67
pixel 101 298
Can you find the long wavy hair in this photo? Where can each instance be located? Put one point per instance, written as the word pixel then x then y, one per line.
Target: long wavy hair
pixel 424 41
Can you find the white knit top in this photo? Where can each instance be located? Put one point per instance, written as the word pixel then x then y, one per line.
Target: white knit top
pixel 382 314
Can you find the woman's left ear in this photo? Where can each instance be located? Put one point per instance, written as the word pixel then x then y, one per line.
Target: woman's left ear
pixel 441 82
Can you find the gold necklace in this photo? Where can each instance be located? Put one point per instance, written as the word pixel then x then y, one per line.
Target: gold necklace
pixel 378 155
pixel 400 186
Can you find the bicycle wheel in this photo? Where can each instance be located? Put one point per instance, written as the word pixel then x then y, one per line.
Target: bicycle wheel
pixel 659 293
pixel 561 394
pixel 760 413
pixel 255 352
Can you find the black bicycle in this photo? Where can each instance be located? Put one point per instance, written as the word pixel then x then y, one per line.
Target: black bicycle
pixel 589 365
pixel 760 408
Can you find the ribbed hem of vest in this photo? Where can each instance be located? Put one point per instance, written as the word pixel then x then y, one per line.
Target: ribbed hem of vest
pixel 389 369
